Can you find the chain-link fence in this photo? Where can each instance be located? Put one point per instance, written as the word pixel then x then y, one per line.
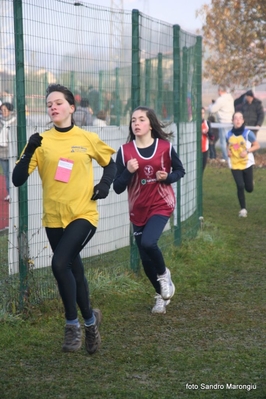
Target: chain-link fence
pixel 115 60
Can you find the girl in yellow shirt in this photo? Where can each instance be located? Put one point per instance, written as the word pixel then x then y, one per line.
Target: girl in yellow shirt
pixel 63 156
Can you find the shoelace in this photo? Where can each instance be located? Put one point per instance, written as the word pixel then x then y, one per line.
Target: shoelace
pixel 92 333
pixel 164 281
pixel 159 303
pixel 70 334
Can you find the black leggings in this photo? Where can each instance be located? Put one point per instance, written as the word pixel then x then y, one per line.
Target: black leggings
pixel 151 256
pixel 204 160
pixel 67 266
pixel 244 181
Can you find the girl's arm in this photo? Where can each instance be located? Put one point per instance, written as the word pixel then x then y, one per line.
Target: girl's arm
pixel 101 190
pixel 178 170
pixel 123 176
pixel 20 173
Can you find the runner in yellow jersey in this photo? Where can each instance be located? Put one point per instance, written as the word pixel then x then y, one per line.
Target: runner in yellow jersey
pixel 63 156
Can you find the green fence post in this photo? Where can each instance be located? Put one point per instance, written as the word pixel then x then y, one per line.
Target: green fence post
pixel 135 77
pixel 177 105
pixel 101 99
pixel 135 102
pixel 14 93
pixel 72 81
pixel 46 82
pixel 117 97
pixel 184 113
pixel 160 84
pixel 147 82
pixel 21 140
pixel 176 77
pixel 199 103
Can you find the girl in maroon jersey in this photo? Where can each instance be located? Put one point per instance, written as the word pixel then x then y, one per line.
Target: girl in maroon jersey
pixel 147 165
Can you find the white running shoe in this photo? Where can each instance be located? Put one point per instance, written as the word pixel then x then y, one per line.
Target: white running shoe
pixel 160 304
pixel 166 284
pixel 243 213
pixel 7 198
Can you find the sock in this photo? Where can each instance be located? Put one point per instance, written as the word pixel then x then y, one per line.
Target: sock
pixel 74 322
pixel 89 322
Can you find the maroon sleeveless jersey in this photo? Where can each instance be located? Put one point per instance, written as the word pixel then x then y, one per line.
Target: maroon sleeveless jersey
pixel 146 196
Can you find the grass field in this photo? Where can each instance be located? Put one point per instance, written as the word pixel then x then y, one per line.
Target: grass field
pixel 210 344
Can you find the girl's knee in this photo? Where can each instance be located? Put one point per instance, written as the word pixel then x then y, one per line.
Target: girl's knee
pixel 148 245
pixel 249 189
pixel 241 187
pixel 57 265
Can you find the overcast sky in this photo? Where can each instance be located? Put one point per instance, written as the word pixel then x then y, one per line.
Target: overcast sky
pixel 181 12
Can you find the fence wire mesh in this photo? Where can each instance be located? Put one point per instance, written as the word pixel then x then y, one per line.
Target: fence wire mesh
pixel 107 58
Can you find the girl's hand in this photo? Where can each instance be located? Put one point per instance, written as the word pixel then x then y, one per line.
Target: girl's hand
pixel 243 154
pixel 132 165
pixel 161 175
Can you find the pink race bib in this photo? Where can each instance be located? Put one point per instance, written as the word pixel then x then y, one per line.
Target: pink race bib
pixel 63 170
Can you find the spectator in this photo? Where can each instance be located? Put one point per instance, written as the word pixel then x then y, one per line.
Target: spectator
pixel 253 111
pixel 224 108
pixel 205 130
pixel 167 102
pixel 113 108
pixel 239 102
pixel 241 145
pixel 213 133
pixel 7 135
pixel 94 99
pixel 100 119
pixel 7 97
pixel 83 114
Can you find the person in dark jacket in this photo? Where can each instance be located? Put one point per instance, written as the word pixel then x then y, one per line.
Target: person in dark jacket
pixel 239 102
pixel 253 111
pixel 83 114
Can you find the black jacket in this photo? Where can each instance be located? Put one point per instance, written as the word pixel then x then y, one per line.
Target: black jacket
pixel 253 113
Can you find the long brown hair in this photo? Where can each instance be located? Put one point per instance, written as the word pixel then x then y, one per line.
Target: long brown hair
pixel 157 126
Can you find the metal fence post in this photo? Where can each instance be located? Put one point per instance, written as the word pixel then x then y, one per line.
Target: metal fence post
pixel 160 84
pixel 147 81
pixel 199 102
pixel 72 81
pixel 184 113
pixel 101 97
pixel 135 78
pixel 117 107
pixel 135 102
pixel 21 140
pixel 177 113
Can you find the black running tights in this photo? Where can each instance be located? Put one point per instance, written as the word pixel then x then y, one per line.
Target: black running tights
pixel 244 181
pixel 67 266
pixel 146 238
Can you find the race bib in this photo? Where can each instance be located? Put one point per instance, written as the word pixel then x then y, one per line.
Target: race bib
pixel 63 170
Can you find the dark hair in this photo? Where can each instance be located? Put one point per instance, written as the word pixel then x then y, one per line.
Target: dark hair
pixel 69 96
pixel 9 106
pixel 250 93
pixel 156 126
pixel 238 112
pixel 84 103
pixel 101 115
